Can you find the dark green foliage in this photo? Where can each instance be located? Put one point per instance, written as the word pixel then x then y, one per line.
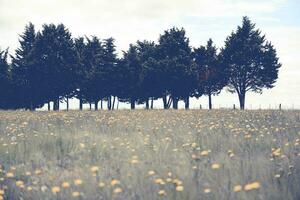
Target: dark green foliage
pixel 24 71
pixel 212 75
pixel 50 66
pixel 175 60
pixel 250 60
pixel 5 82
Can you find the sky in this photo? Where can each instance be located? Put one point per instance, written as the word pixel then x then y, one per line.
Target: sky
pixel 130 20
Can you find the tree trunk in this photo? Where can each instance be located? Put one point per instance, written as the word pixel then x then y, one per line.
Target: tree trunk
pixel 90 105
pixel 187 103
pixel 118 105
pixel 101 104
pixel 67 100
pixel 147 104
pixel 242 101
pixel 113 104
pixel 169 102
pixel 209 101
pixel 56 104
pixel 32 108
pixel 152 103
pixel 109 103
pixel 175 103
pixel 49 108
pixel 96 104
pixel 132 104
pixel 80 103
pixel 165 101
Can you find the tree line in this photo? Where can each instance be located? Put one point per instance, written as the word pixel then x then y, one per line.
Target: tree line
pixel 51 66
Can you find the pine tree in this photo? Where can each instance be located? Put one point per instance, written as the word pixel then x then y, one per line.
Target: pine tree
pixel 80 49
pixel 109 79
pixel 211 75
pixel 24 71
pixel 5 83
pixel 56 61
pixel 129 71
pixel 250 60
pixel 176 61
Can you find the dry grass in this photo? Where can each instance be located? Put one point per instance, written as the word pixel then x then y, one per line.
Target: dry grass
pixel 195 154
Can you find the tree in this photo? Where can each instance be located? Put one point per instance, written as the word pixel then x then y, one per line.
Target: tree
pixel 251 61
pixel 24 71
pixel 80 49
pixel 92 89
pixel 5 84
pixel 109 78
pixel 211 75
pixel 176 61
pixel 129 71
pixel 150 77
pixel 56 63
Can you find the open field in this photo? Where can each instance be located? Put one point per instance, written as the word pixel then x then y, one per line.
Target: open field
pixel 196 154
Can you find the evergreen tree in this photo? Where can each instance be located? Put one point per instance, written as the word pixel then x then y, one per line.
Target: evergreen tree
pixel 108 72
pixel 177 68
pixel 211 75
pixel 129 71
pixel 24 71
pixel 93 71
pixel 80 49
pixel 150 75
pixel 250 60
pixel 56 61
pixel 5 84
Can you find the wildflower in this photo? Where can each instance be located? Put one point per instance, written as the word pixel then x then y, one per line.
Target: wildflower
pixel 114 182
pixel 81 145
pixel 159 181
pixel 237 188
pixel 101 184
pixel 75 194
pixel 77 181
pixel 169 180
pixel 9 174
pixel 65 185
pixel 276 152
pixel 177 182
pixel 20 184
pixel 1 192
pixel 252 186
pixel 150 173
pixel 44 188
pixel 29 188
pixel 207 190
pixel 55 189
pixel 118 190
pixel 162 192
pixel 94 169
pixel 28 173
pixel 277 175
pixel 179 188
pixel 204 153
pixel 134 161
pixel 215 166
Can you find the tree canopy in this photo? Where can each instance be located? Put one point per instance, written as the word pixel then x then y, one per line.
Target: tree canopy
pixel 51 66
pixel 250 60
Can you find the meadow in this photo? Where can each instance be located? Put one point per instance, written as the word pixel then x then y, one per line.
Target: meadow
pixel 155 154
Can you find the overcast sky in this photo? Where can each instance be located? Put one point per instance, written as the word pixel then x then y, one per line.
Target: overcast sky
pixel 131 20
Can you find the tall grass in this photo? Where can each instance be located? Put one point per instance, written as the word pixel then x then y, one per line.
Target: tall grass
pixel 194 154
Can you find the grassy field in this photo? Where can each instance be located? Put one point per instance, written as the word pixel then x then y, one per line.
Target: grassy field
pixel 196 154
